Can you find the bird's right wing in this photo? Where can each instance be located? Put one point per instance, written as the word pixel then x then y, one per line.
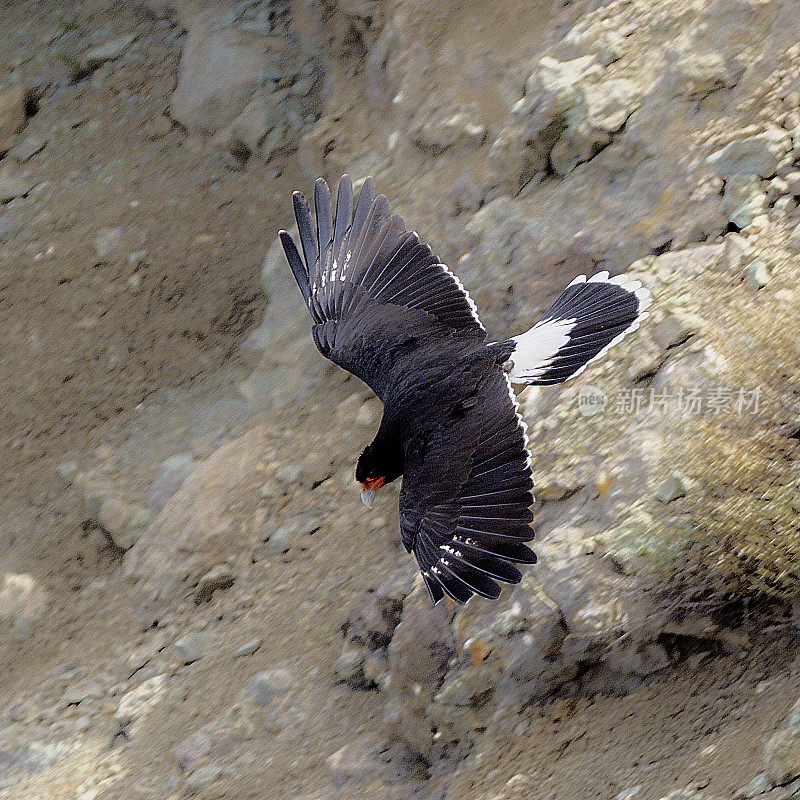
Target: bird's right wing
pixel 466 497
pixel 373 289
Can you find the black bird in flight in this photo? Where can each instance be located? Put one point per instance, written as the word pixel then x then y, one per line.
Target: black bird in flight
pixel 388 311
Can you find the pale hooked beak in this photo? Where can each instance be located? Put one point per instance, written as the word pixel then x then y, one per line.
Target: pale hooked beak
pixel 368 498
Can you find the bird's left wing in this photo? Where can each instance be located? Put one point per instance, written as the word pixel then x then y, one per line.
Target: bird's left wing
pixel 372 288
pixel 466 497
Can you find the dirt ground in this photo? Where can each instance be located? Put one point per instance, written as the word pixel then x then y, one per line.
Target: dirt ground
pixel 89 355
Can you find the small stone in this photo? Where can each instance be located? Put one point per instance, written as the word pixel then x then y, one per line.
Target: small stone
pixel 743 200
pixel 159 127
pixel 367 415
pixel 67 471
pixel 281 539
pixel 219 577
pixel 139 700
pixel 758 273
pixel 9 227
pixel 13 104
pixel 290 473
pixel 761 784
pixel 108 241
pixel 374 668
pixel 783 206
pixel 519 786
pixel 264 687
pixel 609 104
pixel 136 257
pixel 28 147
pixel 12 186
pixel 794 239
pixel 670 332
pixel 270 488
pixel 777 187
pixel 350 668
pixel 106 52
pixel 630 794
pixel 123 521
pixel 697 74
pixel 357 759
pixel 737 251
pixel 169 477
pixel 793 183
pixel 248 649
pixel 195 646
pixel 672 488
pixel 754 155
pixel 22 600
pixel 202 777
pixel 782 756
pixel 83 690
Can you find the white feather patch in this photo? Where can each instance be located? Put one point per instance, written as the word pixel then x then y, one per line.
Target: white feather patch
pixel 470 302
pixel 529 363
pixel 536 348
pixel 523 426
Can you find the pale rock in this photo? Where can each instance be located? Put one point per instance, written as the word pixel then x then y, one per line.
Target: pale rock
pixel 202 777
pixel 438 126
pixel 13 185
pixel 670 332
pixel 220 70
pixel 106 52
pixel 139 701
pixel 359 759
pixel 777 187
pixel 248 649
pixel 221 576
pixel 761 784
pixel 195 531
pixel 610 103
pixel 758 273
pixel 267 686
pixel 122 520
pixel 108 242
pixel 13 104
pixel 738 251
pixel 782 755
pixel 794 239
pixel 28 147
pixel 255 122
pixel 195 645
pixel 743 199
pixel 696 73
pixel 633 544
pixel 169 477
pixel 22 602
pixel 672 488
pixel 753 155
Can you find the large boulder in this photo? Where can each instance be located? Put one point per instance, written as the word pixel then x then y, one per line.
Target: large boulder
pixel 221 69
pixel 196 530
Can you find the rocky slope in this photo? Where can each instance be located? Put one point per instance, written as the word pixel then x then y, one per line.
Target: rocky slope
pixel 205 609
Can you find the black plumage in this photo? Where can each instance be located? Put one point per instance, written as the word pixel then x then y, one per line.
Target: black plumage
pixel 385 309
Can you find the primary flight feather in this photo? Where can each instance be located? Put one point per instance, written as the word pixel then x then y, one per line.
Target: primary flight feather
pixel 385 309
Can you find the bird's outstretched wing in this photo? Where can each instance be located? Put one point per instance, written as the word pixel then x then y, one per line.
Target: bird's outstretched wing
pixel 466 497
pixel 373 289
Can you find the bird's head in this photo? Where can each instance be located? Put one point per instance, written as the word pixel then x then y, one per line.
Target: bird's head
pixel 377 465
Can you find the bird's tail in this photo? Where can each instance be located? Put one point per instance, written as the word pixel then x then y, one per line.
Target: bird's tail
pixel 589 317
